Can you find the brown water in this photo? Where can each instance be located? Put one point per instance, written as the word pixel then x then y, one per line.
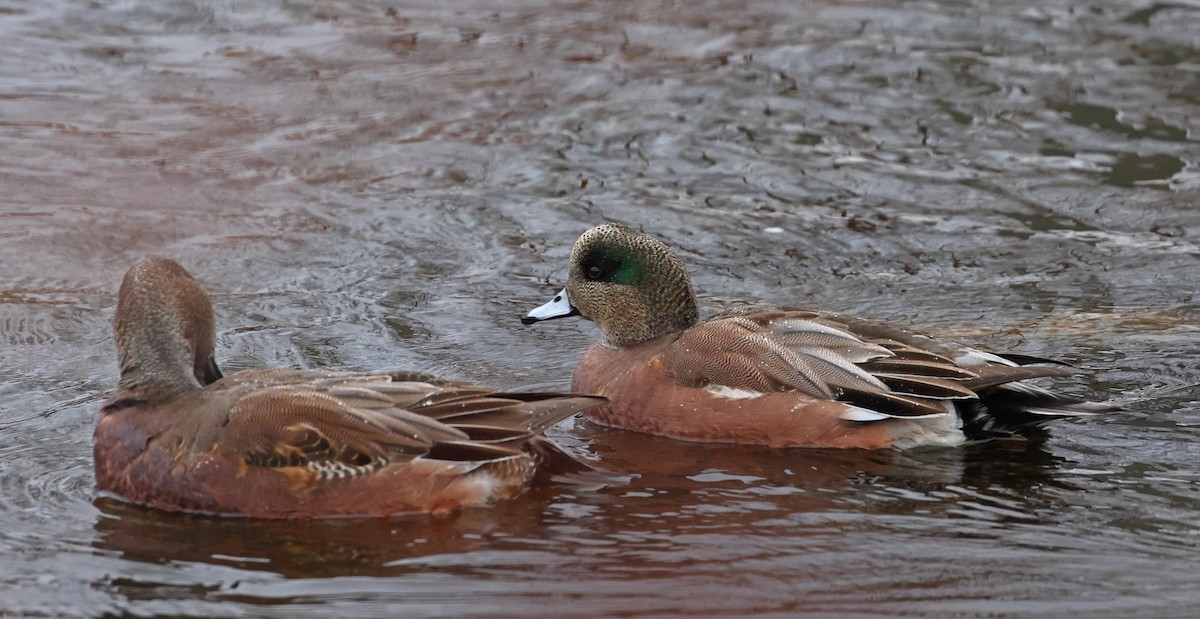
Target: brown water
pixel 362 187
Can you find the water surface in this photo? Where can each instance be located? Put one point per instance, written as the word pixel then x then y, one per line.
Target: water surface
pixel 366 185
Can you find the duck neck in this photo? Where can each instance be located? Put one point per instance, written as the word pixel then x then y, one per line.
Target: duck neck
pixel 660 311
pixel 164 332
pixel 154 368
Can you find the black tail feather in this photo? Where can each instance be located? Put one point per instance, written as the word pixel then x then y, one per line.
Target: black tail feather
pixel 1031 360
pixel 555 465
pixel 1021 410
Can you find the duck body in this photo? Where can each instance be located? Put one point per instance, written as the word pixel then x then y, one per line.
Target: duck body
pixel 278 443
pixel 708 413
pixel 781 376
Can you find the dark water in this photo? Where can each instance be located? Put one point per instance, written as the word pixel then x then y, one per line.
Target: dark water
pixel 366 187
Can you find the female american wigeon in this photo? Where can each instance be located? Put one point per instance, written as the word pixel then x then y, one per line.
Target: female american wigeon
pixel 780 376
pixel 272 443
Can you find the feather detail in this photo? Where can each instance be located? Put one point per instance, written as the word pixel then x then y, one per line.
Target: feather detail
pixel 880 371
pixel 926 387
pixel 919 367
pixel 345 425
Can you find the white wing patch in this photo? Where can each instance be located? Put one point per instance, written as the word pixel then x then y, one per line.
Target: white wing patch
pixel 857 413
pixel 731 393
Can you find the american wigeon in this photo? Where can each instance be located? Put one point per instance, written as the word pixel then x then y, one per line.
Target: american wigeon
pixel 780 376
pixel 278 443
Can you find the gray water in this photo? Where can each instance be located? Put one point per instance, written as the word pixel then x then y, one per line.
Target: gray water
pixel 364 187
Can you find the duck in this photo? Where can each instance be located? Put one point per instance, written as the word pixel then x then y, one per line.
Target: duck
pixel 782 376
pixel 179 435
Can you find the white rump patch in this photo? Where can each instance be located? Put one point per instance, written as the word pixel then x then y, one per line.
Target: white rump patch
pixel 944 430
pixel 731 393
pixel 486 482
pixel 939 431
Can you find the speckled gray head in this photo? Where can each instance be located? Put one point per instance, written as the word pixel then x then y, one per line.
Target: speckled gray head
pixel 630 284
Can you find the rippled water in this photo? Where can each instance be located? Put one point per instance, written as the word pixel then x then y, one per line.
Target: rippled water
pixel 366 185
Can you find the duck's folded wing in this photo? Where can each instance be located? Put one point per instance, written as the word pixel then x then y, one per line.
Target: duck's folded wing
pixel 921 375
pixel 359 422
pixel 333 431
pixel 776 352
pixel 457 404
pixel 917 344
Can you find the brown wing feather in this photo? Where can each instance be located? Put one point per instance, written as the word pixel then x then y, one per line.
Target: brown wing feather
pixel 919 367
pixel 993 375
pixel 532 412
pixel 546 409
pixel 926 387
pixel 460 407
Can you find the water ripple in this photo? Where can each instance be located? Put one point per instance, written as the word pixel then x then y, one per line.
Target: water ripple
pixel 365 187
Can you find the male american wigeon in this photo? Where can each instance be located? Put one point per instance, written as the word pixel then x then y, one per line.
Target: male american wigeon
pixel 780 376
pixel 278 443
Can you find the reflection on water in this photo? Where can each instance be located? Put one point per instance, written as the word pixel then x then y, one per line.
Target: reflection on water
pixel 752 506
pixel 363 186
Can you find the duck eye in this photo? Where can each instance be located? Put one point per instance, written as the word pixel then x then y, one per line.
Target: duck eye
pixel 593 272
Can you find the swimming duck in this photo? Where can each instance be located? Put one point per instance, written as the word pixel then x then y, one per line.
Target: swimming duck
pixel 781 376
pixel 282 443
